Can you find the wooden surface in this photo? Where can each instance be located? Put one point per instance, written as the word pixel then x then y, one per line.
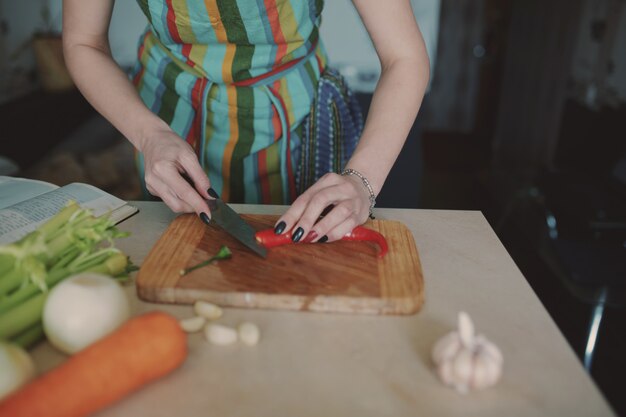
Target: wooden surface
pixel 369 365
pixel 344 277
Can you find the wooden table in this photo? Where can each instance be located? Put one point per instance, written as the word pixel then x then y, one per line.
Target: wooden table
pixel 313 364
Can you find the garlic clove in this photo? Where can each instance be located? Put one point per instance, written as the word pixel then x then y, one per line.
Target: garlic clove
pixel 487 372
pixel 492 369
pixel 192 324
pixel 489 348
pixel 219 334
pixel 207 310
pixel 445 373
pixel 481 374
pixel 249 333
pixel 446 347
pixel 462 366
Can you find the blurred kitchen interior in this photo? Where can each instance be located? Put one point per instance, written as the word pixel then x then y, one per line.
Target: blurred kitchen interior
pixel 525 120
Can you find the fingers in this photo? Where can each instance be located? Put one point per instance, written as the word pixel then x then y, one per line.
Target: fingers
pixel 166 182
pixel 316 204
pixel 288 220
pixel 196 174
pixel 159 189
pixel 176 204
pixel 351 206
pixel 185 192
pixel 174 174
pixel 342 229
pixel 339 221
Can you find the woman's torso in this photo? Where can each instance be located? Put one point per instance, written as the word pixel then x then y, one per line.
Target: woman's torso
pixel 194 60
pixel 233 40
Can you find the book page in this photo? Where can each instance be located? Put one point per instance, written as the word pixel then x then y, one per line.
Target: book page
pixel 13 190
pixel 22 218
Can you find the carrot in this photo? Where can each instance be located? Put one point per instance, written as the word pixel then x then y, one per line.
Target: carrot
pixel 143 349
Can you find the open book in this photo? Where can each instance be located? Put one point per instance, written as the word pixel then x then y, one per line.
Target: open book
pixel 26 204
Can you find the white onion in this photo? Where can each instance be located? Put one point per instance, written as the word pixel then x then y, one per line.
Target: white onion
pixel 83 309
pixel 16 368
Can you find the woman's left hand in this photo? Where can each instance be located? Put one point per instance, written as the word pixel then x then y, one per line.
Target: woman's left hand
pixel 351 204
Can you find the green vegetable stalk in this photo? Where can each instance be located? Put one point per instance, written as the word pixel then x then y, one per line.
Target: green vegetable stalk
pixel 29 337
pixel 69 243
pixel 224 253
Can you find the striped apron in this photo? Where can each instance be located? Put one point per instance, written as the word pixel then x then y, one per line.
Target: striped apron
pixel 237 80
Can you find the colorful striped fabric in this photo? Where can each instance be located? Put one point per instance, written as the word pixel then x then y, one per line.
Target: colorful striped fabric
pixel 236 79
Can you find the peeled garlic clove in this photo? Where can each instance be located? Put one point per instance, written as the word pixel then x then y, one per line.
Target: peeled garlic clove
pixel 219 334
pixel 192 324
pixel 249 333
pixel 207 310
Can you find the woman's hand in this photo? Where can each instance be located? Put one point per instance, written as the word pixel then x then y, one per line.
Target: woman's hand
pixel 351 204
pixel 167 158
pixel 399 92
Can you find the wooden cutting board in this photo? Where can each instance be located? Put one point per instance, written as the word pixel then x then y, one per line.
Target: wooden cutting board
pixel 344 277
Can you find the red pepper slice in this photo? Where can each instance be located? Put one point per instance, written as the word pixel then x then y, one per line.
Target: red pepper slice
pixel 361 233
pixel 269 239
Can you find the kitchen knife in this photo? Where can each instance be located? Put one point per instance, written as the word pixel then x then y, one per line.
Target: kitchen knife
pixel 226 218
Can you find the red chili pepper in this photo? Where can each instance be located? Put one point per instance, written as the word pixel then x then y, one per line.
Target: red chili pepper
pixel 269 239
pixel 361 233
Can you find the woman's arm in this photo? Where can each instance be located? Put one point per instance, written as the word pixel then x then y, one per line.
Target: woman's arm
pixel 108 89
pixel 404 77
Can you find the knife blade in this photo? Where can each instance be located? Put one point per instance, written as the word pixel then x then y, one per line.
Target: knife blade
pixel 226 218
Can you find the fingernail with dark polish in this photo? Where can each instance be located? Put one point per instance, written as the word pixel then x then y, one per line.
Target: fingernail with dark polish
pixel 311 236
pixel 280 227
pixel 205 218
pixel 298 234
pixel 323 239
pixel 212 193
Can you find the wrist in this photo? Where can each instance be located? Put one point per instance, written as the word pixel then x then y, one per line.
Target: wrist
pixel 149 131
pixel 362 179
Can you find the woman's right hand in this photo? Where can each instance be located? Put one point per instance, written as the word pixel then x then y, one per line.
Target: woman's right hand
pixel 167 158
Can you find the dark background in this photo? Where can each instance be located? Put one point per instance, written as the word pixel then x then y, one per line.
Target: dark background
pixel 525 121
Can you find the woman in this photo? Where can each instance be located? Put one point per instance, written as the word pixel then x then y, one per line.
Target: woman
pixel 225 88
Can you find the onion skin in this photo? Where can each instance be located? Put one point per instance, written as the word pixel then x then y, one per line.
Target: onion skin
pixel 83 309
pixel 16 368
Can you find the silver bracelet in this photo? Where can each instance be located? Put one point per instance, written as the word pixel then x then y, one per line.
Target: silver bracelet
pixel 366 183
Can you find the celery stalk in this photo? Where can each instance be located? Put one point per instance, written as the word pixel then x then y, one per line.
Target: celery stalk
pixel 114 265
pixel 22 317
pixel 29 337
pixel 11 280
pixel 65 245
pixel 59 220
pixel 26 312
pixel 7 262
pixel 71 231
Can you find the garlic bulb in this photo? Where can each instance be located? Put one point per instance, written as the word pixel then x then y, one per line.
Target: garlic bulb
pixel 466 361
